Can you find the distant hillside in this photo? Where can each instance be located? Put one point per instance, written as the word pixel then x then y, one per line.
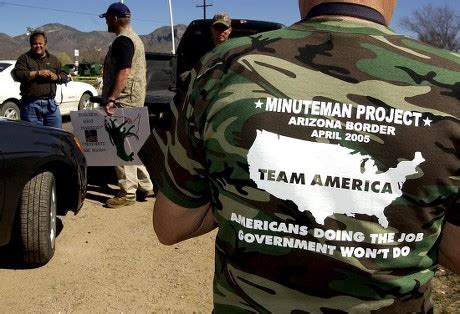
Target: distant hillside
pixel 9 47
pixel 92 45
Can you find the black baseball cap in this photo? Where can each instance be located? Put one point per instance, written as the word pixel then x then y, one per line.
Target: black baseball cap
pixel 117 9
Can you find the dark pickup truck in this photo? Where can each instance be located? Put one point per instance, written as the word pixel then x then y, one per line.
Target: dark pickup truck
pixel 163 69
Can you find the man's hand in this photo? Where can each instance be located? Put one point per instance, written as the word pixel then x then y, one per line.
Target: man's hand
pixel 47 74
pixel 109 106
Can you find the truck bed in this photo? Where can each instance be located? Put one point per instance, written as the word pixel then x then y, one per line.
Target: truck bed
pixel 163 68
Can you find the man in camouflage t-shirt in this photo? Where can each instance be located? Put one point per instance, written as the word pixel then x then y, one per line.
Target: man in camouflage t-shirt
pixel 327 154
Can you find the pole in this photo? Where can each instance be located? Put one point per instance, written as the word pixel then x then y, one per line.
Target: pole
pixel 204 9
pixel 204 6
pixel 172 28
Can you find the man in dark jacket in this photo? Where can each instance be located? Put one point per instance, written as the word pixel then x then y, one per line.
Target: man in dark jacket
pixel 38 71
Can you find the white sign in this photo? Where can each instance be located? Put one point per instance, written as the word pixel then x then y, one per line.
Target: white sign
pixel 76 52
pixel 111 141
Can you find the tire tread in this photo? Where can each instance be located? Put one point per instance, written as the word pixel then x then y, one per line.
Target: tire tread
pixel 34 220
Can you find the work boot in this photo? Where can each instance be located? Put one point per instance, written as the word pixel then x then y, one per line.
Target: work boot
pixel 119 201
pixel 143 195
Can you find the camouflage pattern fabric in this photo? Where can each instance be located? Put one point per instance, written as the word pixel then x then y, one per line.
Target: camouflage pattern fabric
pixel 330 153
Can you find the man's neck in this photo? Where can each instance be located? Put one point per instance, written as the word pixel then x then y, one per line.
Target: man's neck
pixel 346 10
pixel 38 56
pixel 121 29
pixel 346 18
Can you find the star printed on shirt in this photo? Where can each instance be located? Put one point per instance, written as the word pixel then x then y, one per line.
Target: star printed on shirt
pixel 427 121
pixel 259 104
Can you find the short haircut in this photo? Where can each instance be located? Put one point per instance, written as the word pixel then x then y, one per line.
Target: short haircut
pixel 37 33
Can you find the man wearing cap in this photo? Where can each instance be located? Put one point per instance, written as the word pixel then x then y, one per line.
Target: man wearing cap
pixel 327 154
pixel 221 28
pixel 124 80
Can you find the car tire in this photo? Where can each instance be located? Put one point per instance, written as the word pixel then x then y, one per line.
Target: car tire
pixel 38 219
pixel 10 110
pixel 85 103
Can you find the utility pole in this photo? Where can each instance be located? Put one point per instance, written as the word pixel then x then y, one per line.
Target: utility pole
pixel 204 8
pixel 172 28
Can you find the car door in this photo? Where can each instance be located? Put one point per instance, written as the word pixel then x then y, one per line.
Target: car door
pixel 4 235
pixel 66 97
pixel 2 181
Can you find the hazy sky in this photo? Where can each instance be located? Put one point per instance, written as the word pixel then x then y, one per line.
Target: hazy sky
pixel 147 15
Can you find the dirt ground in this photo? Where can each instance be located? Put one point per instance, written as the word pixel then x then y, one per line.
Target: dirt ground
pixel 109 260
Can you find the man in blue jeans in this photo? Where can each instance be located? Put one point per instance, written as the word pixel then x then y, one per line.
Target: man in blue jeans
pixel 38 71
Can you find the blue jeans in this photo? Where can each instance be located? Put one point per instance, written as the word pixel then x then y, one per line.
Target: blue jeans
pixel 41 111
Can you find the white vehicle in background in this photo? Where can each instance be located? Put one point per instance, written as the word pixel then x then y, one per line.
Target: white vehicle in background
pixel 72 96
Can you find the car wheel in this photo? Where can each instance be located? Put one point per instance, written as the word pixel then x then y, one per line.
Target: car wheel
pixel 10 110
pixel 38 219
pixel 84 103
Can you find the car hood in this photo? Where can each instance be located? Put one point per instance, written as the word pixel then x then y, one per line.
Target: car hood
pixel 30 127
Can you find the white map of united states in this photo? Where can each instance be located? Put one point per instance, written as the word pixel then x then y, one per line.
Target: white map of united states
pixel 326 179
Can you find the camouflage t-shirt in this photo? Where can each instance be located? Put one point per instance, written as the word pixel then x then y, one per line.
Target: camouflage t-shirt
pixel 329 151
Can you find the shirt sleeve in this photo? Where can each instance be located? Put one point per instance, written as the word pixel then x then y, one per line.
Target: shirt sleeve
pixel 182 168
pixel 20 72
pixel 178 163
pixel 123 52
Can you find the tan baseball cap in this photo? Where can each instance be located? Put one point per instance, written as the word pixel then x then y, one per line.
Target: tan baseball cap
pixel 222 18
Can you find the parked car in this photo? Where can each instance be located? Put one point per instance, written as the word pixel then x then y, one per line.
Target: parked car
pixel 71 96
pixel 43 173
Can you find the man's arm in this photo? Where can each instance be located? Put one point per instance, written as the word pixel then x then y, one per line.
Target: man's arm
pixel 449 248
pixel 61 75
pixel 174 223
pixel 123 52
pixel 120 82
pixel 21 72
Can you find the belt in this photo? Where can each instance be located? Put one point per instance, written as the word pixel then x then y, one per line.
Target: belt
pixel 39 98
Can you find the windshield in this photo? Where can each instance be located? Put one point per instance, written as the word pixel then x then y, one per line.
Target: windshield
pixel 4 65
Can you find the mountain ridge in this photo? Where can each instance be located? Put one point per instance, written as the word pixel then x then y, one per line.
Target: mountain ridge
pixel 92 46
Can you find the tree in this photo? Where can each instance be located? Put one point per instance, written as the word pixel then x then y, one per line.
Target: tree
pixel 92 54
pixel 437 26
pixel 63 58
